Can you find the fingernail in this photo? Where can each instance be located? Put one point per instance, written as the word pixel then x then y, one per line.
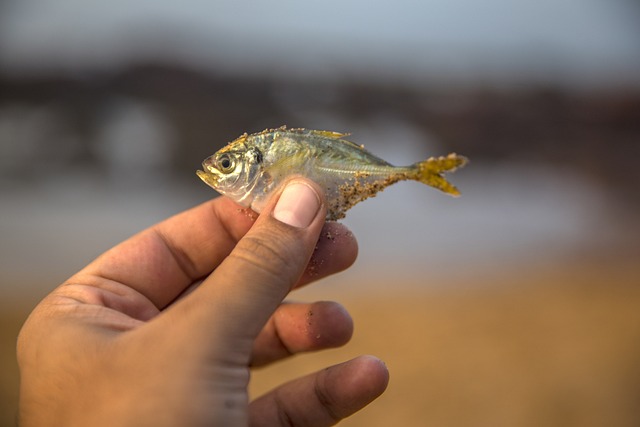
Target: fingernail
pixel 297 206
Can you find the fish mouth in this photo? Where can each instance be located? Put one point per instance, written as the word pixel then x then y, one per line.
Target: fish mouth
pixel 209 178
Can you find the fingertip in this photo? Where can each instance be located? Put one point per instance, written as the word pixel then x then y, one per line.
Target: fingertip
pixel 298 204
pixel 338 234
pixel 368 379
pixel 330 325
pixel 377 372
pixel 315 326
pixel 336 250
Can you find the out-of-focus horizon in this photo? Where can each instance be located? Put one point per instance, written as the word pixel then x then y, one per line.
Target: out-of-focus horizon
pixel 499 42
pixel 107 109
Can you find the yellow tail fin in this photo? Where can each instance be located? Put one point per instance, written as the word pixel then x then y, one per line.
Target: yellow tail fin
pixel 431 171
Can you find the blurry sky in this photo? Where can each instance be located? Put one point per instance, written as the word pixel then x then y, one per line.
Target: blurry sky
pixel 574 41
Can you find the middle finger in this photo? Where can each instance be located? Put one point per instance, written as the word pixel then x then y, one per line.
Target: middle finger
pixel 300 327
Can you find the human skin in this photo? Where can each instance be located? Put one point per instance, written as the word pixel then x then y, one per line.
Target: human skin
pixel 163 329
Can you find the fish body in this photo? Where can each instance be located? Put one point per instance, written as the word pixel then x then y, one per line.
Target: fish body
pixel 251 167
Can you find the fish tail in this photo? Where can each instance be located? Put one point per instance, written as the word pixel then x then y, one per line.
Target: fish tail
pixel 431 171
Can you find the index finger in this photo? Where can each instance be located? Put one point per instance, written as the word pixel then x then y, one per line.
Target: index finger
pixel 163 260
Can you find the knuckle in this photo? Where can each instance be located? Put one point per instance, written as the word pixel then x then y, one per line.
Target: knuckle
pixel 269 253
pixel 327 403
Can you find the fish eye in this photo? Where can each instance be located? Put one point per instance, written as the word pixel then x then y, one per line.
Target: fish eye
pixel 226 163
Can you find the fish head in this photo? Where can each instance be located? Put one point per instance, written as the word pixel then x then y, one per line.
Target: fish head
pixel 233 171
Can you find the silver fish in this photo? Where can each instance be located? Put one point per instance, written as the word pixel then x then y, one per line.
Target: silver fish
pixel 251 167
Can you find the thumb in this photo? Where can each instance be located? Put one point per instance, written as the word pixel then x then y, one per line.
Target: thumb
pixel 237 299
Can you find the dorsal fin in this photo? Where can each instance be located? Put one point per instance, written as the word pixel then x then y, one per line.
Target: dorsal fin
pixel 329 134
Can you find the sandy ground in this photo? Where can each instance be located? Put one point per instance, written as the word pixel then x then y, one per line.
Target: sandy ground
pixel 555 348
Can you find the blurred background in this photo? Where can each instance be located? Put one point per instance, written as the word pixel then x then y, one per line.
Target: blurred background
pixel 514 305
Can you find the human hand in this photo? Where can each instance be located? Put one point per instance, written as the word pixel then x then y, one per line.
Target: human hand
pixel 133 340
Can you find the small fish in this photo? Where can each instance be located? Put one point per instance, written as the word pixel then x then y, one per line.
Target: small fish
pixel 251 167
